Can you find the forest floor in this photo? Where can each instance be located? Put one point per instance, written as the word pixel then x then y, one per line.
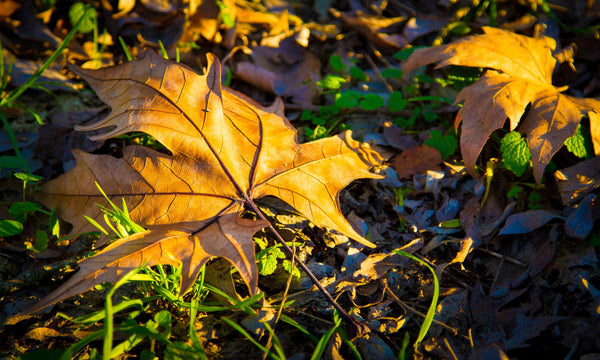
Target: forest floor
pixel 516 258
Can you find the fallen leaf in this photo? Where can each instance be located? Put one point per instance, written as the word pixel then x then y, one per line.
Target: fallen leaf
pixel 416 161
pixel 53 80
pixel 226 152
pixel 394 136
pixel 448 211
pixel 8 7
pixel 578 180
pixel 521 75
pixel 581 222
pixel 523 323
pixel 377 29
pixel 422 25
pixel 527 221
pixel 287 70
pixel 43 334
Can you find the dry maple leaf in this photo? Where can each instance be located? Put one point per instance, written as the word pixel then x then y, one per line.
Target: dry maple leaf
pixel 226 151
pixel 416 160
pixel 521 74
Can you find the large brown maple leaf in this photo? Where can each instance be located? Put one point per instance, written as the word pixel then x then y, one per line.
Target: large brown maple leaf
pixel 227 151
pixel 521 74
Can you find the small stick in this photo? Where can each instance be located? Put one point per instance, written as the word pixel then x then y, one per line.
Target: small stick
pixel 389 87
pixel 450 349
pixel 357 329
pixel 497 275
pixel 413 310
pixel 505 258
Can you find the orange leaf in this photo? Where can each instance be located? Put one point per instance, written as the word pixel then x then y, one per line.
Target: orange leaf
pixel 521 76
pixel 226 151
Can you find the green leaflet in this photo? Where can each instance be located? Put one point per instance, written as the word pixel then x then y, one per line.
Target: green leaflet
pixel 331 82
pixel 580 143
pixel 445 144
pixel 371 102
pixel 515 153
pixel 396 102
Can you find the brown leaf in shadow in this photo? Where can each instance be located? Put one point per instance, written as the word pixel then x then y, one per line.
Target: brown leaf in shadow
pixel 416 161
pixel 380 30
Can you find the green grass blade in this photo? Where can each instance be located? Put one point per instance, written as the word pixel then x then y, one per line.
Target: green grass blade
pixel 244 305
pixel 276 343
pixel 322 345
pixel 249 337
pixel 109 311
pixel 125 49
pixel 95 223
pixel 126 345
pixel 436 294
pixel 402 355
pixel 13 140
pixel 100 314
pixel 348 342
pixel 193 335
pixel 163 50
pixel 68 354
pixel 13 95
pixel 295 324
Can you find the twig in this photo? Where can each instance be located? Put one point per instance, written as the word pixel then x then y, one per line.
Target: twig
pixel 389 87
pixel 505 258
pixel 413 310
pixel 357 329
pixel 450 349
pixel 497 275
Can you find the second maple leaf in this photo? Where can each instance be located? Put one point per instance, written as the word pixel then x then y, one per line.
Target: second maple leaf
pixel 520 74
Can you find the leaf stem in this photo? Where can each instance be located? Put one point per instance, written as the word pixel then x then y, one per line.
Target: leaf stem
pixel 357 329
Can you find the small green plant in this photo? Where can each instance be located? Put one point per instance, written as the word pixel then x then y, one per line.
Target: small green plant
pixel 87 15
pixel 156 329
pixel 21 210
pixel 268 258
pixel 446 144
pixel 580 144
pixel 342 87
pixel 516 156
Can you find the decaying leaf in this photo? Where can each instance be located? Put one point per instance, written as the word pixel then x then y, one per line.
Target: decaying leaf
pixel 379 30
pixel 520 74
pixel 416 160
pixel 226 151
pixel 578 180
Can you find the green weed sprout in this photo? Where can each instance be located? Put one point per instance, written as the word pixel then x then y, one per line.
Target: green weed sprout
pixel 434 300
pixel 21 210
pixel 123 225
pixel 268 257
